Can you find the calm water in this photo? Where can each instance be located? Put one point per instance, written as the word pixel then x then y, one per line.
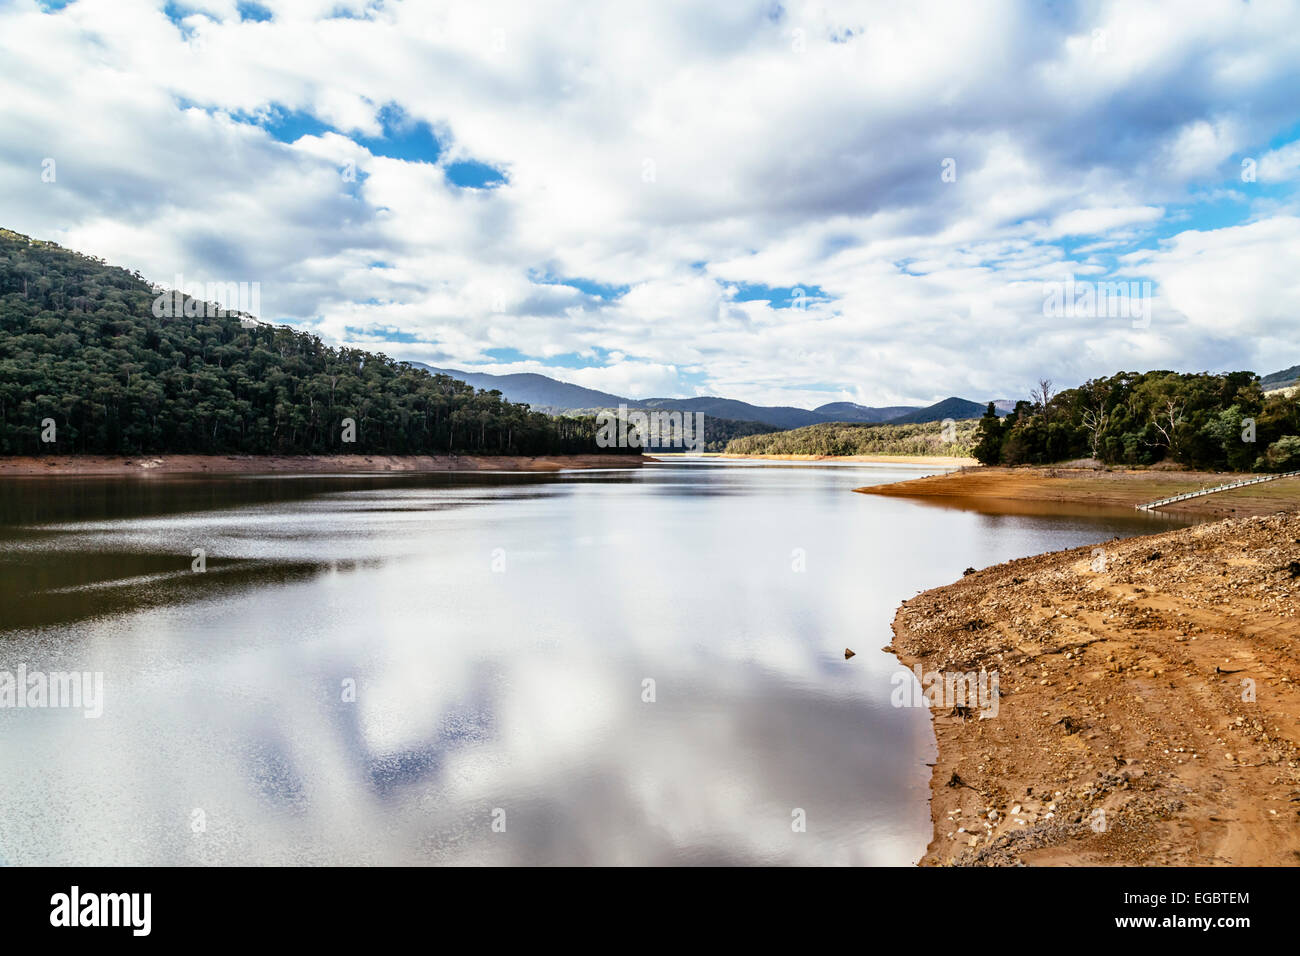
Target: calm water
pixel 499 631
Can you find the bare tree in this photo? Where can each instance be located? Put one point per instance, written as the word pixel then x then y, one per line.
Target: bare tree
pixel 1095 415
pixel 1166 419
pixel 1042 396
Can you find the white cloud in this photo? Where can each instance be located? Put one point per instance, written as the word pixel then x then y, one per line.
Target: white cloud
pixel 1086 222
pixel 1281 164
pixel 776 159
pixel 1241 283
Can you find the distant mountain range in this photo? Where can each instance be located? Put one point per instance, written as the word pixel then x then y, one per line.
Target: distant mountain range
pixel 551 395
pixel 849 412
pixel 536 390
pixel 954 408
pixel 1283 379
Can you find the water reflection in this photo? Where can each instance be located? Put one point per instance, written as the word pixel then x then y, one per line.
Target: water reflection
pixel 498 632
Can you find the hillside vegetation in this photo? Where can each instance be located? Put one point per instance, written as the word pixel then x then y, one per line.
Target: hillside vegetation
pixel 81 349
pixel 717 431
pixel 1210 422
pixel 842 438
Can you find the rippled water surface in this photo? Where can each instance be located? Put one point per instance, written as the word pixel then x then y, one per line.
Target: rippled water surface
pixel 455 668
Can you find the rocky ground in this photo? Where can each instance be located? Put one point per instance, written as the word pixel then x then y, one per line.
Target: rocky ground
pixel 1021 488
pixel 921 461
pixel 1149 710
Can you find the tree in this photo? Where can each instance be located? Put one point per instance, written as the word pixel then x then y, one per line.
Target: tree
pixel 79 343
pixel 1094 414
pixel 1041 395
pixel 1284 454
pixel 988 438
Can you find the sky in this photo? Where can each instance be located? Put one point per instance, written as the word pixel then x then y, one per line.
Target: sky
pixel 783 203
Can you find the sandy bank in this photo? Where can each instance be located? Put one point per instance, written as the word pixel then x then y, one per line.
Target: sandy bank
pixel 1106 488
pixel 299 464
pixel 925 461
pixel 1149 713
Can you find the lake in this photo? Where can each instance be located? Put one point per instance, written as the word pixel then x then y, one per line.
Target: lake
pixel 639 666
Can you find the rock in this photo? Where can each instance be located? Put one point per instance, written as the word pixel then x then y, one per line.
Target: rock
pixel 848 653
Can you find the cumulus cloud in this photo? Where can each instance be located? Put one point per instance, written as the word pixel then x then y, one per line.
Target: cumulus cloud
pixel 670 172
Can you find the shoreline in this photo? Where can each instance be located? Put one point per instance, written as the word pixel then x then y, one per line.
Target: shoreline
pixel 1149 708
pixel 146 465
pixel 985 486
pixel 925 461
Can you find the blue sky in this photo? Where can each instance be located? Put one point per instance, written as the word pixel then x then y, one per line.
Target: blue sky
pixel 786 204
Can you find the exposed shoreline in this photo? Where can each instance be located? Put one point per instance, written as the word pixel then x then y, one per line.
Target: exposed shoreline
pixel 58 465
pixel 1123 734
pixel 942 461
pixel 1098 488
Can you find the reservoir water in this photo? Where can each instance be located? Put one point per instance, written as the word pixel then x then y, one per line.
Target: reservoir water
pixel 638 666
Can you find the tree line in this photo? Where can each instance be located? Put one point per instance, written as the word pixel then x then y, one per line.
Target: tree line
pixel 851 438
pixel 81 348
pixel 1206 421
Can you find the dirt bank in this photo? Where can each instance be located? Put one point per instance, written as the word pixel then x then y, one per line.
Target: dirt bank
pixel 299 464
pixel 1149 711
pixel 924 461
pixel 1106 488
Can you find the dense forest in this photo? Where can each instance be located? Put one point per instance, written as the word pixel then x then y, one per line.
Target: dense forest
pixel 1218 422
pixel 81 348
pixel 843 438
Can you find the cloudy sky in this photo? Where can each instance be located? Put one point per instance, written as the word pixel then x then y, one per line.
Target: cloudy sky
pixel 778 202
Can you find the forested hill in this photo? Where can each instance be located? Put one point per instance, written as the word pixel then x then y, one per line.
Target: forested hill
pixel 861 438
pixel 1222 422
pixel 80 345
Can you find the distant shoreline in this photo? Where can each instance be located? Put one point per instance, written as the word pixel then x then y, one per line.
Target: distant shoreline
pixel 1104 488
pixel 941 461
pixel 145 465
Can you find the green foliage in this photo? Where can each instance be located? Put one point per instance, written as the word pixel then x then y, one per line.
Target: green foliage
pixel 79 343
pixel 720 432
pixel 1215 422
pixel 1283 454
pixel 988 438
pixel 839 438
pixel 717 431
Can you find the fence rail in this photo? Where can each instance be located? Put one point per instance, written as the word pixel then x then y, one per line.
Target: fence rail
pixel 1152 505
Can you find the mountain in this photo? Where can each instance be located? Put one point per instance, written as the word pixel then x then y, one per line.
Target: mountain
pixel 851 412
pixel 553 396
pixel 549 394
pixel 94 360
pixel 1283 379
pixel 954 408
pixel 538 391
pixel 779 416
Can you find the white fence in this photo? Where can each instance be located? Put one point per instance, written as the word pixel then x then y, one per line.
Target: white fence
pixel 1152 505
